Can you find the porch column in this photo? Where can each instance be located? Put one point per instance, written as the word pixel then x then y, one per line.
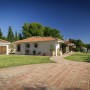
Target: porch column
pixel 67 49
pixel 56 53
pixel 60 49
pixel 56 50
pixel 7 50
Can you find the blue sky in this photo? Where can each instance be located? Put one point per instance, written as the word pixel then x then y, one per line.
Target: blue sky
pixel 71 17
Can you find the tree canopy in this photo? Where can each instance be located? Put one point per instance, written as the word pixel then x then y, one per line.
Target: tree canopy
pixel 36 29
pixel 33 29
pixel 29 30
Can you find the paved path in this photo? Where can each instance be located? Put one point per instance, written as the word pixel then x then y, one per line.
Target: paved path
pixel 63 75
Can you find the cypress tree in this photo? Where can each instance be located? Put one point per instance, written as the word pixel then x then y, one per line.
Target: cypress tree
pixel 1 34
pixel 10 35
pixel 20 37
pixel 16 36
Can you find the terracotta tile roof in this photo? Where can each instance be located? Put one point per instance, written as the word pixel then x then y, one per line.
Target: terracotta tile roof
pixel 36 39
pixel 4 41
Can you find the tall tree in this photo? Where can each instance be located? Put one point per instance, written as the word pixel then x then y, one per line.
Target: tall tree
pixel 10 35
pixel 1 34
pixel 20 37
pixel 16 36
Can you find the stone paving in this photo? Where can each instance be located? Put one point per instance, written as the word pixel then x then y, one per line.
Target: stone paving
pixel 63 75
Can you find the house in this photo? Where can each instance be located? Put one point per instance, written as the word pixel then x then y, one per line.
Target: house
pixel 4 47
pixel 38 46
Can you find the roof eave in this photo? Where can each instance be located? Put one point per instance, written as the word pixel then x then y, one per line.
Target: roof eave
pixel 32 41
pixel 62 41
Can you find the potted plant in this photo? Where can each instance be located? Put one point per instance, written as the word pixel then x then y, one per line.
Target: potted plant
pixel 52 50
pixel 34 52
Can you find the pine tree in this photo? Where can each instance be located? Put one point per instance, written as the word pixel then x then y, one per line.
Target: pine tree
pixel 1 34
pixel 10 36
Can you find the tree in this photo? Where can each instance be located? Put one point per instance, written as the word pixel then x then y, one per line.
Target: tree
pixel 47 31
pixel 79 44
pixel 16 36
pixel 1 34
pixel 36 29
pixel 20 37
pixel 10 35
pixel 87 46
pixel 52 32
pixel 33 29
pixel 26 32
pixel 56 33
pixel 4 38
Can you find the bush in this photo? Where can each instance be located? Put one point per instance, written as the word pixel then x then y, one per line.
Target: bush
pixel 76 49
pixel 34 52
pixel 84 50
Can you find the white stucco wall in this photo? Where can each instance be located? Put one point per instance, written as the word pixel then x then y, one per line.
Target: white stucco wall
pixel 57 46
pixel 43 47
pixel 6 45
pixel 22 51
pixel 67 49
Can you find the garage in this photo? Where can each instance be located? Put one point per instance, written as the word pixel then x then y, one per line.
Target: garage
pixel 4 47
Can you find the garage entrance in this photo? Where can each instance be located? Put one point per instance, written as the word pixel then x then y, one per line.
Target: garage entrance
pixel 2 49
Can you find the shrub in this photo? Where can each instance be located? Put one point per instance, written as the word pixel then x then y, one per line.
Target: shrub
pixel 76 49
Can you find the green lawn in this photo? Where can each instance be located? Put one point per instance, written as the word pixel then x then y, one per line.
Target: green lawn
pixel 17 60
pixel 82 57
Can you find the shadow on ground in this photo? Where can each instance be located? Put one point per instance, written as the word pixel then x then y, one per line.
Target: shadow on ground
pixel 45 87
pixel 72 89
pixel 86 59
pixel 38 86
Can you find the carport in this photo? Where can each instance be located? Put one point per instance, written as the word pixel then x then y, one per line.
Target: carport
pixel 4 47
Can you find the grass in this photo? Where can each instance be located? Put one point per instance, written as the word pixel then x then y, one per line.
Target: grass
pixel 81 57
pixel 17 60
